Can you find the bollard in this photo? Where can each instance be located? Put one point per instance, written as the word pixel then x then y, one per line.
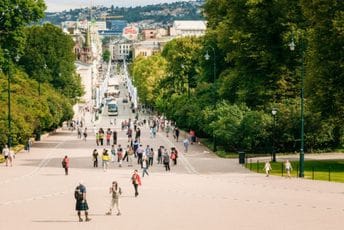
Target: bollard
pixel 329 173
pixel 251 164
pixel 257 166
pixel 313 173
pixel 282 168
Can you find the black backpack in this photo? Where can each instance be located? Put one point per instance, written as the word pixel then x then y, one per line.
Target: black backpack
pixel 78 193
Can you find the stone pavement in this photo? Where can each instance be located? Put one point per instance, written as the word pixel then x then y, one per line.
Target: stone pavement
pixel 35 193
pixel 202 192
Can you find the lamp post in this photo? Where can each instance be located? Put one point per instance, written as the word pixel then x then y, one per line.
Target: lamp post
pixel 9 76
pixel 302 154
pixel 274 112
pixel 38 134
pixel 207 57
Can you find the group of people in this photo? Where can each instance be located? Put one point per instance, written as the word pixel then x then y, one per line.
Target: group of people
pixel 115 192
pixel 8 156
pixel 287 165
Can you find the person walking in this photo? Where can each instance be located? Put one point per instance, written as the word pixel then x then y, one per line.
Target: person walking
pixel 151 157
pixel 85 134
pixel 81 202
pixel 119 155
pixel 166 160
pixel 129 134
pixel 267 168
pixel 288 168
pixel 174 155
pixel 65 164
pixel 101 136
pixel 167 129
pixel 160 151
pixel 176 134
pixel 144 166
pixel 136 145
pixel 97 138
pixel 95 158
pixel 139 153
pixel 115 192
pixel 6 154
pixel 130 154
pixel 186 144
pixel 113 154
pixel 108 136
pixel 29 144
pixel 138 134
pixel 136 181
pixel 105 159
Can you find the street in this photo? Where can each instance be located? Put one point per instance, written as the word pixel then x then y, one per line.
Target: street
pixel 201 192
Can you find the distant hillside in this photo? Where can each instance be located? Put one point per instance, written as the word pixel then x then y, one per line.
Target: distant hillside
pixel 160 13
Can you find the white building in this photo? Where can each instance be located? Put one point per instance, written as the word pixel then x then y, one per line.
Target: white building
pixel 120 49
pixel 188 28
pixel 149 47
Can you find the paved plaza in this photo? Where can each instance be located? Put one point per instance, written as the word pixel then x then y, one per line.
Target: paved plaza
pixel 201 192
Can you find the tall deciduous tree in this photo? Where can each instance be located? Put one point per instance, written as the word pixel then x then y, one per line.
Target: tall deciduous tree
pixel 48 57
pixel 325 61
pixel 252 35
pixel 14 15
pixel 147 72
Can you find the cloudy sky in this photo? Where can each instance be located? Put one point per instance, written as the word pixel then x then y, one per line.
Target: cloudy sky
pixel 60 5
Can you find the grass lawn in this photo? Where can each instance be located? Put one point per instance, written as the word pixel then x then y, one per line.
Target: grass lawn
pixel 329 170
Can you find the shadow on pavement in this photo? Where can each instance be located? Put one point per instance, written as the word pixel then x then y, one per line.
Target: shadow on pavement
pixel 55 221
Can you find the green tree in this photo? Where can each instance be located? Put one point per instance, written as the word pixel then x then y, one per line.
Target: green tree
pixel 147 72
pixel 48 57
pixel 106 55
pixel 29 110
pixel 14 16
pixel 324 62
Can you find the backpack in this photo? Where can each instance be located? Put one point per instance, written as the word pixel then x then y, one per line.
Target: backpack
pixel 64 164
pixel 78 194
pixel 115 195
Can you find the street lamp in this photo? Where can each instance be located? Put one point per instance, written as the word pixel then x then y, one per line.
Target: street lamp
pixel 302 154
pixel 207 57
pixel 9 75
pixel 38 134
pixel 274 112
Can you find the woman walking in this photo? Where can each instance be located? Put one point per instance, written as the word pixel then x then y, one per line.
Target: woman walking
pixel 95 158
pixel 115 192
pixel 136 181
pixel 144 166
pixel 166 160
pixel 105 159
pixel 267 168
pixel 288 167
pixel 65 164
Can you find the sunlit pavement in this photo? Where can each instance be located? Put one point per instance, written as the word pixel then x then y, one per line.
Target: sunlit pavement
pixel 201 192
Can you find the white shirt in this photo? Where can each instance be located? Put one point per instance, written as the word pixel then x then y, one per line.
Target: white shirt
pixel 6 151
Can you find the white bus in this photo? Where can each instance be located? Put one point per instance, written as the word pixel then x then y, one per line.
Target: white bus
pixel 112 108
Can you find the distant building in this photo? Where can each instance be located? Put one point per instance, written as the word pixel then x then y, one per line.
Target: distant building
pixel 188 28
pixel 148 34
pixel 131 32
pixel 149 47
pixel 100 25
pixel 121 49
pixel 116 26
